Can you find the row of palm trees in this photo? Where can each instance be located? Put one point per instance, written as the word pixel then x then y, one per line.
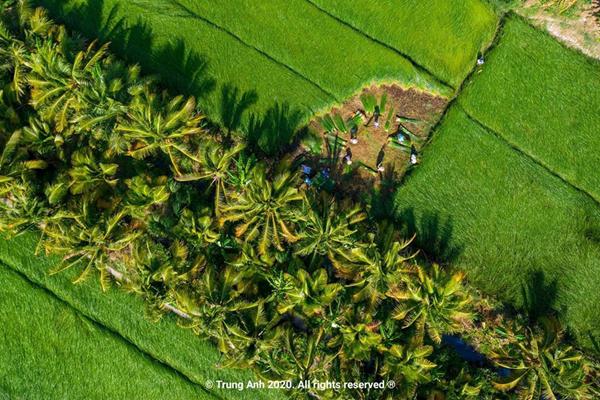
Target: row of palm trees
pixel 128 184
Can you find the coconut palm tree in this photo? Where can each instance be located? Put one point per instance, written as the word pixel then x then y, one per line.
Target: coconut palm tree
pixel 215 167
pixel 197 227
pixel 154 124
pixel 240 174
pixel 20 209
pixel 308 294
pixel 58 86
pixel 299 358
pixel 329 229
pixel 265 210
pixel 408 366
pixel 432 301
pixel 251 337
pixel 146 195
pixel 213 301
pixel 382 270
pixel 87 240
pixel 541 367
pixel 88 175
pixel 13 59
pixel 357 335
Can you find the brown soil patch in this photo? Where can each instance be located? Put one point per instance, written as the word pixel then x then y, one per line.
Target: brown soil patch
pixel 375 143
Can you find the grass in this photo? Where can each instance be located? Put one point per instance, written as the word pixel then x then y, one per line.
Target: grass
pixel 284 51
pixel 518 231
pixel 189 55
pixel 123 313
pixel 544 99
pixel 329 53
pixel 49 351
pixel 443 36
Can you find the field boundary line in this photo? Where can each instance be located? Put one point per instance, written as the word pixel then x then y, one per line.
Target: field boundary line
pixel 410 59
pixel 531 157
pixel 455 99
pixel 188 13
pixel 113 332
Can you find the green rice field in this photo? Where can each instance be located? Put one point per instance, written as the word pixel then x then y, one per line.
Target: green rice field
pixel 518 231
pixel 544 99
pixel 282 51
pixel 443 36
pixel 50 351
pixel 180 350
pixel 507 187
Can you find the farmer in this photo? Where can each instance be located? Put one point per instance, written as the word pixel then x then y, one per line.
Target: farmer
pixel 380 158
pixel 480 59
pixel 376 115
pixel 353 134
pixel 413 155
pixel 401 136
pixel 348 156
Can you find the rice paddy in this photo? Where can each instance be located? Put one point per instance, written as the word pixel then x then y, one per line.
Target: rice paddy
pixel 282 51
pixel 50 351
pixel 506 190
pixel 442 36
pixel 518 231
pixel 543 99
pixel 115 314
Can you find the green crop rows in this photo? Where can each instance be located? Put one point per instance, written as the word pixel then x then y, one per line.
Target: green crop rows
pixel 283 51
pixel 509 185
pixel 543 99
pixel 114 311
pixel 443 36
pixel 49 351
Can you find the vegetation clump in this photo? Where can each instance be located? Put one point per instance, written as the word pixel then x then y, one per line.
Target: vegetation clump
pixel 129 184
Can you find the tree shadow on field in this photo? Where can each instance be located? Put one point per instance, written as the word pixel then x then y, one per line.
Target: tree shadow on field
pixel 180 68
pixel 433 234
pixel 273 133
pixel 539 295
pixel 233 106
